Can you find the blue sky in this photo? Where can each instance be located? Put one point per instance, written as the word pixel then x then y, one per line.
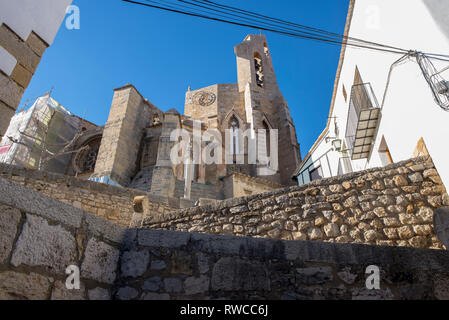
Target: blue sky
pixel 163 53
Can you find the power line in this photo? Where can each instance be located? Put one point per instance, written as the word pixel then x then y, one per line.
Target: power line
pixel 299 26
pixel 292 34
pixel 284 22
pixel 227 14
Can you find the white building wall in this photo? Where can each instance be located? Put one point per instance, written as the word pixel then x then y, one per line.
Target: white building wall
pixel 23 16
pixel 41 16
pixel 409 112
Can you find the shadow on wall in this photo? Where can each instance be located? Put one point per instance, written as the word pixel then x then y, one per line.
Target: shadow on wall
pixel 439 10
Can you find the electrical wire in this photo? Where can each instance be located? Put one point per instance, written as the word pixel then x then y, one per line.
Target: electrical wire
pixel 298 25
pixel 222 13
pixel 261 27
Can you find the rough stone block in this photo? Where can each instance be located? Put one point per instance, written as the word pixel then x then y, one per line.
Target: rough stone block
pixel 160 238
pixel 234 274
pixel 312 276
pixel 41 244
pixel 365 294
pixel 158 265
pixel 99 294
pixel 21 76
pixel 156 296
pixel 173 285
pixel 10 92
pixel 100 262
pixel 31 201
pixel 153 284
pixel 202 262
pixel 9 220
pixel 7 113
pixel 135 263
pixel 18 48
pixel 441 287
pixel 110 230
pixel 60 292
pixel 194 285
pixel 36 44
pixel 127 293
pixel 30 286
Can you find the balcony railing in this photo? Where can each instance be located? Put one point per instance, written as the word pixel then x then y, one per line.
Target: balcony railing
pixel 363 118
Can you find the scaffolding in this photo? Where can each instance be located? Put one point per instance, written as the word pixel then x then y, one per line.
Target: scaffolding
pixel 37 134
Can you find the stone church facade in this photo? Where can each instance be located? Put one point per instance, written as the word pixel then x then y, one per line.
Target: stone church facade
pixel 132 150
pixel 135 146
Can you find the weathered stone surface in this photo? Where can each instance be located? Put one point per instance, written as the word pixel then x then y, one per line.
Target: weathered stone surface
pixel 315 234
pixel 30 286
pixel 441 287
pixel 9 221
pixel 182 263
pixel 7 113
pixel 405 232
pixel 127 293
pixel 347 276
pixel 10 92
pixel 100 262
pixel 173 285
pixel 34 202
pixel 370 235
pixel 415 177
pixel 313 275
pixel 299 236
pixel 426 214
pixel 160 238
pixel 418 242
pixel 231 274
pixel 195 285
pixel 400 181
pixel 156 296
pixel 135 263
pixel 366 294
pixel 99 294
pixel 203 262
pixel 21 76
pixel 36 44
pixel 60 292
pixel 430 173
pixel 238 209
pixel 423 230
pixel 158 265
pixel 41 244
pixel 109 230
pixel 153 284
pixel 332 230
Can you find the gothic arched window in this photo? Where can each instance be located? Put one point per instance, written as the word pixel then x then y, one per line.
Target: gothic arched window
pixel 86 158
pixel 267 141
pixel 234 127
pixel 267 137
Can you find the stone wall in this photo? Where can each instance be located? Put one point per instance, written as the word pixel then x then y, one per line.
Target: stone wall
pixel 240 185
pixel 391 206
pixel 109 202
pixel 40 237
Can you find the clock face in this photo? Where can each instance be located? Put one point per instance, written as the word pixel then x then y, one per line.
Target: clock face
pixel 204 98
